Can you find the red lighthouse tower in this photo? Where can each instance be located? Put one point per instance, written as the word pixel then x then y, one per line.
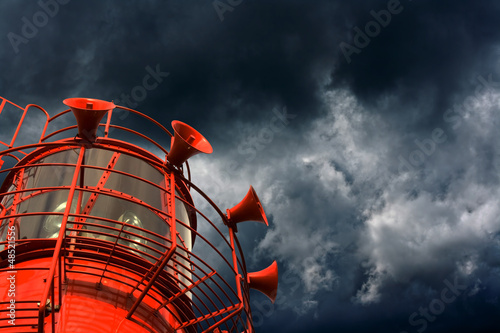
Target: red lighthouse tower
pixel 98 234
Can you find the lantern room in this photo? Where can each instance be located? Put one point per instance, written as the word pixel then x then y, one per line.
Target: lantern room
pixel 99 233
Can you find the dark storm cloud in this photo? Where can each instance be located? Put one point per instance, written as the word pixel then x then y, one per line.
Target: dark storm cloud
pixel 427 48
pixel 382 184
pixel 260 56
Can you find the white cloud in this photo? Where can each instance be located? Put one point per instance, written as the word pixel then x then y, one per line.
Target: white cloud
pixel 422 230
pixel 337 203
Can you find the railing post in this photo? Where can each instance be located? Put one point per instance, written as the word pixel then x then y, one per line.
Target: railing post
pixel 60 239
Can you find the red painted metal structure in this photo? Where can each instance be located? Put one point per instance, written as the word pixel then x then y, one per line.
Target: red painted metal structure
pixel 97 233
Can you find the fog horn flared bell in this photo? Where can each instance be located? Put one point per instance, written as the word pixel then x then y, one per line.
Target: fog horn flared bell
pixel 249 209
pixel 265 281
pixel 88 113
pixel 186 142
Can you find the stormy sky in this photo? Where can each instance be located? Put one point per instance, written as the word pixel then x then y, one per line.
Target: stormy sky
pixel 368 128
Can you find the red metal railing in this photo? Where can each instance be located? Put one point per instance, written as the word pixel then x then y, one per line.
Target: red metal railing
pixel 156 271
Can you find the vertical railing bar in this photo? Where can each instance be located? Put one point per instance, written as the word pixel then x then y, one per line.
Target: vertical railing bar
pixel 152 269
pixel 46 121
pixel 238 286
pixel 173 231
pixel 18 128
pixel 111 253
pixel 53 307
pixel 3 104
pixel 59 298
pixel 108 121
pixel 57 249
pixel 16 200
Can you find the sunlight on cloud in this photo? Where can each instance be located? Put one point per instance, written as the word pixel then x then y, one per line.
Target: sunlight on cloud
pixel 419 231
pixel 335 202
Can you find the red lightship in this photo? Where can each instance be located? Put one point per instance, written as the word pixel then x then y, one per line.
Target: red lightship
pixel 98 234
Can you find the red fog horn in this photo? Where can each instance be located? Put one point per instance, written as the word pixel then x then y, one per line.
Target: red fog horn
pixel 186 142
pixel 265 281
pixel 88 113
pixel 249 209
